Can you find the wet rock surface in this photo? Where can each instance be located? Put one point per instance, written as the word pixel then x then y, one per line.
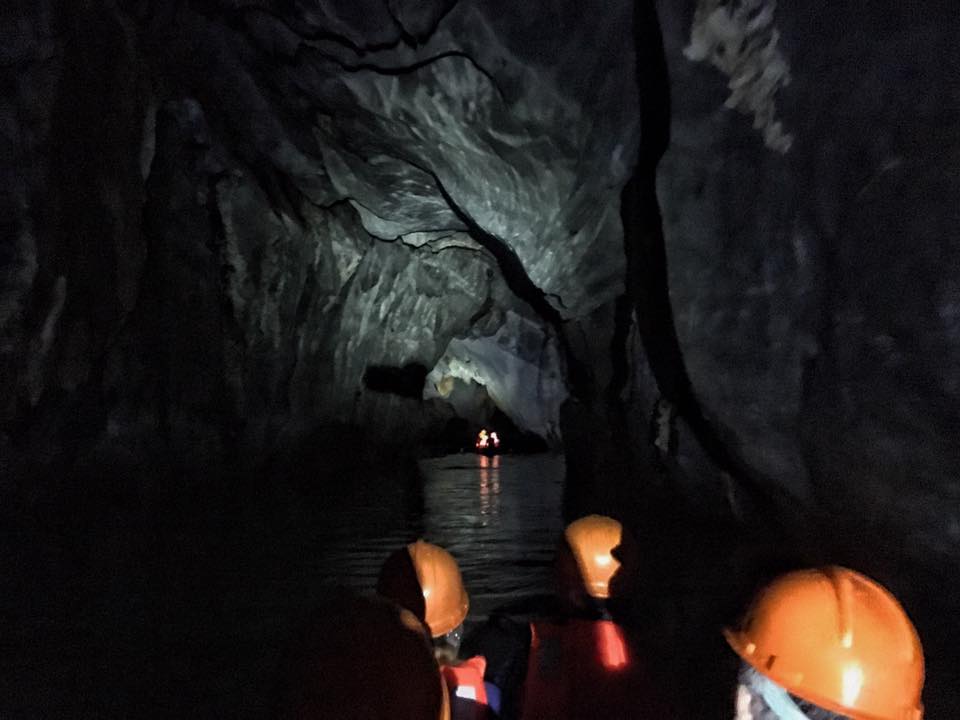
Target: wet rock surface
pixel 284 201
pixel 812 264
pixel 811 258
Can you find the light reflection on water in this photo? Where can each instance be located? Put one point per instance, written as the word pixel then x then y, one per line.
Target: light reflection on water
pixel 499 516
pixel 489 485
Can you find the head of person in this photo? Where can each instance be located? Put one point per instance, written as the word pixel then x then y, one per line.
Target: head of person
pixel 596 563
pixel 827 644
pixel 360 658
pixel 425 579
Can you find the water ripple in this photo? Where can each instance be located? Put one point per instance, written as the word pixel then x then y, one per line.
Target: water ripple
pixel 499 516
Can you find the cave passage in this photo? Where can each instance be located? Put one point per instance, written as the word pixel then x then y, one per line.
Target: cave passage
pixel 268 269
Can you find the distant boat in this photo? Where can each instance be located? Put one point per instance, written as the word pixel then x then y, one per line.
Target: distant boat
pixel 487 443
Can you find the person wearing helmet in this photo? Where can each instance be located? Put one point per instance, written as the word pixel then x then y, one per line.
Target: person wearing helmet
pixel 425 579
pixel 329 672
pixel 566 656
pixel 582 663
pixel 827 644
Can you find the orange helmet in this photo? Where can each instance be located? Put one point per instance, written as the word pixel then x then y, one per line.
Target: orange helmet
pixel 426 580
pixel 318 674
pixel 837 639
pixel 593 540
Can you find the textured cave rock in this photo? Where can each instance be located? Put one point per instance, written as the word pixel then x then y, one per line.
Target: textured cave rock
pixel 235 230
pixel 223 217
pixel 518 366
pixel 72 212
pixel 317 190
pixel 809 202
pixel 289 314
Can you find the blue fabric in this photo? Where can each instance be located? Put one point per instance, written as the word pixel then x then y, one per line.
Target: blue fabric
pixel 776 698
pixel 493 696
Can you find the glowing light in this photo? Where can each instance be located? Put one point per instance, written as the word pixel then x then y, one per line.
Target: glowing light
pixel 852 684
pixel 603 559
pixel 487 440
pixel 467 692
pixel 426 593
pixel 611 645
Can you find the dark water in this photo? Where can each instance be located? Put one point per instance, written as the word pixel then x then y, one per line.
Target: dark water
pixel 181 607
pixel 499 517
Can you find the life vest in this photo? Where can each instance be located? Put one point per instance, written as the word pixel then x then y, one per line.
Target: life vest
pixel 585 669
pixel 465 686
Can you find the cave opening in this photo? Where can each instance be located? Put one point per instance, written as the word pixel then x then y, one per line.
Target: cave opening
pixel 270 270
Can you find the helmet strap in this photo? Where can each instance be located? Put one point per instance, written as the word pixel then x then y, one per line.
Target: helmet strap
pixel 776 698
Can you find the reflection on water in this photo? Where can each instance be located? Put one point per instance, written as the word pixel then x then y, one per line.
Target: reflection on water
pixel 489 485
pixel 499 516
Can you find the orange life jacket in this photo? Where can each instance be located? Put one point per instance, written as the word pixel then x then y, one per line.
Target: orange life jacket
pixel 468 695
pixel 585 669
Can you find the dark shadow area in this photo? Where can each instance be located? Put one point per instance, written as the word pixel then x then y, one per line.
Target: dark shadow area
pixel 161 590
pixel 456 436
pixel 512 438
pixel 406 381
pixel 459 435
pixel 161 593
pixel 320 677
pixel 398 582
